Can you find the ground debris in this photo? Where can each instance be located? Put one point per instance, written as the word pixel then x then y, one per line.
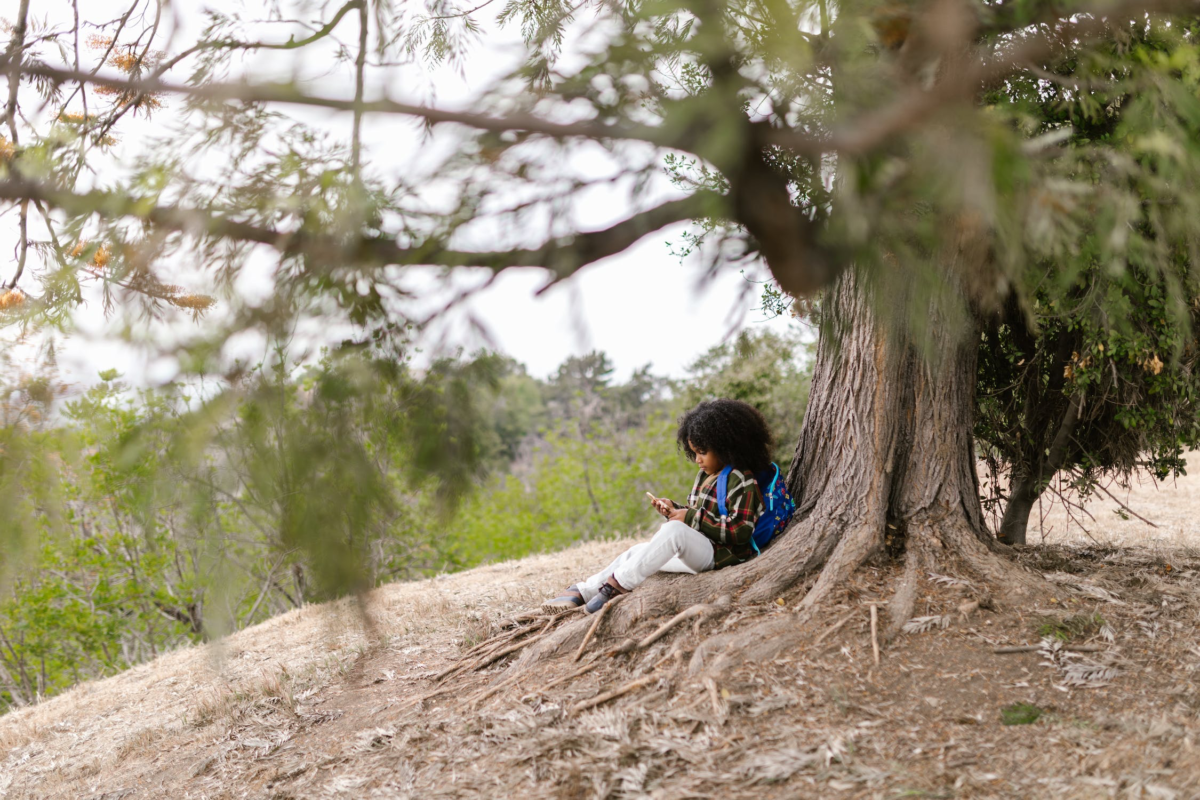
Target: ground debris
pixel 928 623
pixel 1122 719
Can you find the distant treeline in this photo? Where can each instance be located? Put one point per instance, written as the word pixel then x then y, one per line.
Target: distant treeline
pixel 137 521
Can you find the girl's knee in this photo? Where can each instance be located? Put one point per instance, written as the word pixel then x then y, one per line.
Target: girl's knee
pixel 674 531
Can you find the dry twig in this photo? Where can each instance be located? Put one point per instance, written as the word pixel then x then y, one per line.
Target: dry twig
pixel 836 627
pixel 488 693
pixel 418 701
pixel 875 633
pixel 496 648
pixel 496 656
pixel 714 697
pixel 615 693
pixel 499 640
pixel 1033 648
pixel 588 667
pixel 595 626
pixel 675 652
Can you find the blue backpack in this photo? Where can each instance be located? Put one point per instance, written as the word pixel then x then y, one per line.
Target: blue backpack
pixel 778 510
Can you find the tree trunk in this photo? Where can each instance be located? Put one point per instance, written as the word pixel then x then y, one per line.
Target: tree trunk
pixel 1027 488
pixel 1022 495
pixel 885 457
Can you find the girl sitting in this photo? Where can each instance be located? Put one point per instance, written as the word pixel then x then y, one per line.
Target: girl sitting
pixel 695 538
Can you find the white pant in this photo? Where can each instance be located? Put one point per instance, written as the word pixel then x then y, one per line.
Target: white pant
pixel 675 548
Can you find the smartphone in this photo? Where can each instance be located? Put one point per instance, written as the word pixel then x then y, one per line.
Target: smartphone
pixel 655 500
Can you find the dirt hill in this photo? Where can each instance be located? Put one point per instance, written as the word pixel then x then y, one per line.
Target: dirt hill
pixel 316 704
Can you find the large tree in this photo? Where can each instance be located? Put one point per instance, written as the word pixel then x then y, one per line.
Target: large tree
pixel 874 156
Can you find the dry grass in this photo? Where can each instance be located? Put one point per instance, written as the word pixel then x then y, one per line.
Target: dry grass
pixel 1171 506
pixel 187 693
pixel 306 706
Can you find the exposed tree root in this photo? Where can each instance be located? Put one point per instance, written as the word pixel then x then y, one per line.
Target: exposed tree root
pixel 499 654
pixel 1007 578
pixel 900 609
pixel 855 547
pixel 766 640
pixel 609 606
pixel 678 653
pixel 762 642
pixel 885 458
pixel 570 676
pixel 722 604
pixel 772 638
pixel 614 694
pixel 500 646
pixel 663 594
pixel 806 546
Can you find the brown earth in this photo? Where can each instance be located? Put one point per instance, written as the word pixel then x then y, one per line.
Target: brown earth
pixel 311 704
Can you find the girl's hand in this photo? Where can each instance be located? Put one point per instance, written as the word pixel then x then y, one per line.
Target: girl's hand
pixel 663 506
pixel 677 514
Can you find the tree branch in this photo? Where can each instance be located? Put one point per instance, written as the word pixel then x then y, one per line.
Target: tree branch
pixel 291 43
pixel 360 64
pixel 562 257
pixel 15 55
pixel 869 132
pixel 288 94
pixel 786 236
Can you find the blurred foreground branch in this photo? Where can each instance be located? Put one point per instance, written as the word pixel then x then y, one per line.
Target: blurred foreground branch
pixel 561 257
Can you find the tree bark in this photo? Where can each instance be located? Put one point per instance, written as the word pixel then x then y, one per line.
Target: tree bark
pixel 885 457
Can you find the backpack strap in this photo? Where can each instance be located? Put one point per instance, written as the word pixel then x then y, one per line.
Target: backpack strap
pixel 766 481
pixel 722 490
pixel 774 477
pixel 768 495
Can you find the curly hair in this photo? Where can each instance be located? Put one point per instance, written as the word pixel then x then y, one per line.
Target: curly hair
pixel 735 431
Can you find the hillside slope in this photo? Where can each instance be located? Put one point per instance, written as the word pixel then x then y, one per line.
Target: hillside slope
pixel 305 705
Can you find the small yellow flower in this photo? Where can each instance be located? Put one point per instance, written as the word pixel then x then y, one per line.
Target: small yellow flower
pixel 196 302
pixel 11 299
pixel 101 257
pixel 126 62
pixel 142 102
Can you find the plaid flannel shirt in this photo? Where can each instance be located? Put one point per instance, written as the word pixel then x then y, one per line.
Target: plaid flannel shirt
pixel 731 535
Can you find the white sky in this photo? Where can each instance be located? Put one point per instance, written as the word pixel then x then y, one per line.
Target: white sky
pixel 641 307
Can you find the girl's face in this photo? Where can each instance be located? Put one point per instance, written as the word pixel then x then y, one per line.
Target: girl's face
pixel 706 461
